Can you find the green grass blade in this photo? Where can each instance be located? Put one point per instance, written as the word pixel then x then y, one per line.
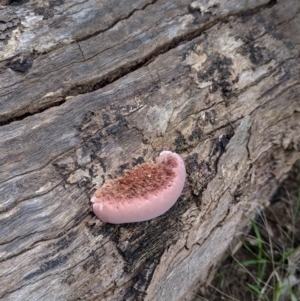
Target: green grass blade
pixel 255 289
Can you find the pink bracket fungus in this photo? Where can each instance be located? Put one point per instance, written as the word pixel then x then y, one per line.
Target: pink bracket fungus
pixel 144 192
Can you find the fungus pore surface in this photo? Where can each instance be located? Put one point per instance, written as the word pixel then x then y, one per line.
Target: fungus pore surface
pixel 139 181
pixel 144 192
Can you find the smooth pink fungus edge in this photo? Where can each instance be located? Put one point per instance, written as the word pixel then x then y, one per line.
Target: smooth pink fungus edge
pixel 142 209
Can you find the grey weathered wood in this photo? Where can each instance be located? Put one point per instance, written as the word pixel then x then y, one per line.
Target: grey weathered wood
pixel 218 84
pixel 125 43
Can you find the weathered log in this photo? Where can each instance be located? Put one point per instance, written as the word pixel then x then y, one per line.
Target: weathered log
pixel 89 89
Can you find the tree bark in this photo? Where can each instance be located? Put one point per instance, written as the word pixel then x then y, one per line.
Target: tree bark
pixel 91 88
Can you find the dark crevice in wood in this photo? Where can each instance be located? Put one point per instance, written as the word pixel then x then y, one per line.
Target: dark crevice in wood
pixel 140 282
pixel 13 2
pixel 86 37
pixel 81 51
pixel 31 113
pixel 258 9
pixel 181 39
pixel 17 238
pixel 91 260
pixel 125 70
pixel 247 146
pixel 272 3
pixel 224 219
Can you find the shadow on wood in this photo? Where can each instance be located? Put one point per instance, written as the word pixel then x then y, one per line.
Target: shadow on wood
pixel 89 89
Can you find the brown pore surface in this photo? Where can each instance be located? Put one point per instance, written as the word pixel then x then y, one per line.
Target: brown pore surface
pixel 139 182
pixel 112 84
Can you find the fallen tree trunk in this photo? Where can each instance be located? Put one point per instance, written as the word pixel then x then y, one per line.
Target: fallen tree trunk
pixel 89 89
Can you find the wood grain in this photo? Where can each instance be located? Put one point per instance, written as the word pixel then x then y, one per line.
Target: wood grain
pixel 112 85
pixel 85 64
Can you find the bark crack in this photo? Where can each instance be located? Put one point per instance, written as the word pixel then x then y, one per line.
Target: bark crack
pixel 133 66
pixel 79 47
pixel 130 14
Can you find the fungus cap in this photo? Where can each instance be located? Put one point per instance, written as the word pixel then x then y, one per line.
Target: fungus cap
pixel 144 192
